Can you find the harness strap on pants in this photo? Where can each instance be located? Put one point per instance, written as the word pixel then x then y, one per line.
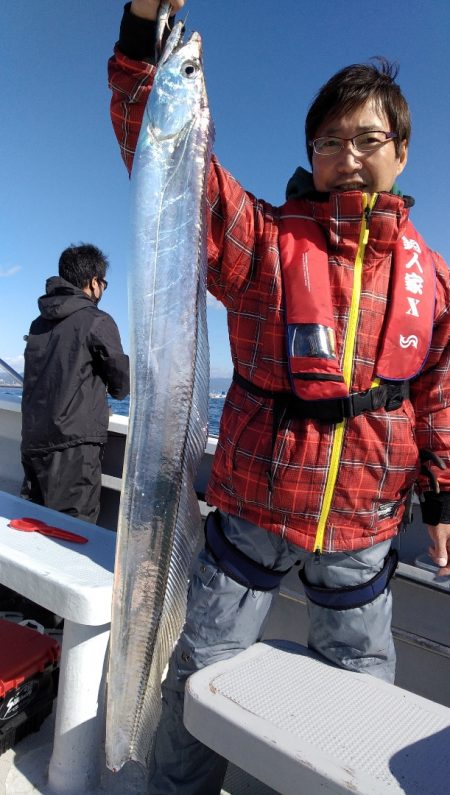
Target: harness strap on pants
pixel 236 564
pixel 349 597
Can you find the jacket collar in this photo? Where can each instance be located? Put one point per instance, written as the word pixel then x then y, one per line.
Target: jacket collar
pixel 339 214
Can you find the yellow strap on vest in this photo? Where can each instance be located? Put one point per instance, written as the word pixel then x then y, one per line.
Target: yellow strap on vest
pixel 349 351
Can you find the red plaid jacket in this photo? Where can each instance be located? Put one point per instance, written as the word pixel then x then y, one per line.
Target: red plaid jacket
pixel 379 458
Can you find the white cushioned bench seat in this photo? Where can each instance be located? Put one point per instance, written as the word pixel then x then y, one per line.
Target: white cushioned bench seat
pixel 304 727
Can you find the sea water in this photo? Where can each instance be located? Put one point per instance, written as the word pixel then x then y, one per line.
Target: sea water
pixel 122 407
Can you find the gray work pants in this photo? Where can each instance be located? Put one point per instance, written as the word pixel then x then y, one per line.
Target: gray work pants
pixel 223 618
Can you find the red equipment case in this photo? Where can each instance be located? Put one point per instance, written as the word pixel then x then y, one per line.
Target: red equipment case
pixel 28 681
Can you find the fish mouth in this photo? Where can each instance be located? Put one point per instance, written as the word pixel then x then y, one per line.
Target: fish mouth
pixel 175 42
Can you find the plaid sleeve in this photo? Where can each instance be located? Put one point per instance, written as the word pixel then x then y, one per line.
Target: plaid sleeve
pixel 130 82
pixel 237 225
pixel 430 392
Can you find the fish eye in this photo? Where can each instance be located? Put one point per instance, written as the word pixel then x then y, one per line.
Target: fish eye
pixel 189 69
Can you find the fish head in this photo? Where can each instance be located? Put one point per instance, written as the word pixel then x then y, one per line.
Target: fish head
pixel 179 89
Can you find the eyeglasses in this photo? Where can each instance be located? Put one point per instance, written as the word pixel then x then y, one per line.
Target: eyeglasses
pixel 364 142
pixel 103 282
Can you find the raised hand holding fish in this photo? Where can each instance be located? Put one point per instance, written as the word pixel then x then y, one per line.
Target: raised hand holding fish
pixel 148 9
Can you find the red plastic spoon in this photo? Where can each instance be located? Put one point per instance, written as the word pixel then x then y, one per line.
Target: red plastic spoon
pixel 30 525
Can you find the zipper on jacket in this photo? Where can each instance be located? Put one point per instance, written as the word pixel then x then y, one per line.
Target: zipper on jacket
pixel 349 351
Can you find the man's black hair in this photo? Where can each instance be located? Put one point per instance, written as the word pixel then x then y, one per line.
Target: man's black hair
pixel 79 264
pixel 353 86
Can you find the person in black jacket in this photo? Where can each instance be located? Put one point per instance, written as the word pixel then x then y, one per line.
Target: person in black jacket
pixel 73 357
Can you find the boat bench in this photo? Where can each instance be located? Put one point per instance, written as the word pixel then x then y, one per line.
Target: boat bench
pixel 303 726
pixel 75 582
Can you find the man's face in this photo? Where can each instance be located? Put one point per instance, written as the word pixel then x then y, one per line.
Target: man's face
pixel 349 169
pixel 97 288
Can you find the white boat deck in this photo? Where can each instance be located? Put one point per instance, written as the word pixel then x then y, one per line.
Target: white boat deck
pixel 24 771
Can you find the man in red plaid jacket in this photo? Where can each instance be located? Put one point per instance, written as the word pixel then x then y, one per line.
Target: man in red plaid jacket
pixel 323 482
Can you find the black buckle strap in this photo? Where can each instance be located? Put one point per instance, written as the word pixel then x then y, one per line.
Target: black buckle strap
pixel 351 596
pixel 370 400
pixel 237 564
pixel 389 395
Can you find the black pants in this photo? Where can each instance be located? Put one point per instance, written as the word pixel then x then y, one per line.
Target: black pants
pixel 66 480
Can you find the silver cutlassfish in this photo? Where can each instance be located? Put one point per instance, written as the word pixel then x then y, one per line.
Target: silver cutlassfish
pixel 159 518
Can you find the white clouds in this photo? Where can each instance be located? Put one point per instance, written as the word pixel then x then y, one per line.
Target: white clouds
pixel 6 273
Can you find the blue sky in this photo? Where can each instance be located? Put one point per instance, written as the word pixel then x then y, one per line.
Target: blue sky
pixel 63 180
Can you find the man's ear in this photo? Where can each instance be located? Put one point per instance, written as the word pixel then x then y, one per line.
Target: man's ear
pixel 403 157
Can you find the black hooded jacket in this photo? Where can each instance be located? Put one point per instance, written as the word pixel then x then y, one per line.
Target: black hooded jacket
pixel 73 357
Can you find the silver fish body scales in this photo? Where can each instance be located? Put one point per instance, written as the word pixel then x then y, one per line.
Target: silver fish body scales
pixel 159 518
